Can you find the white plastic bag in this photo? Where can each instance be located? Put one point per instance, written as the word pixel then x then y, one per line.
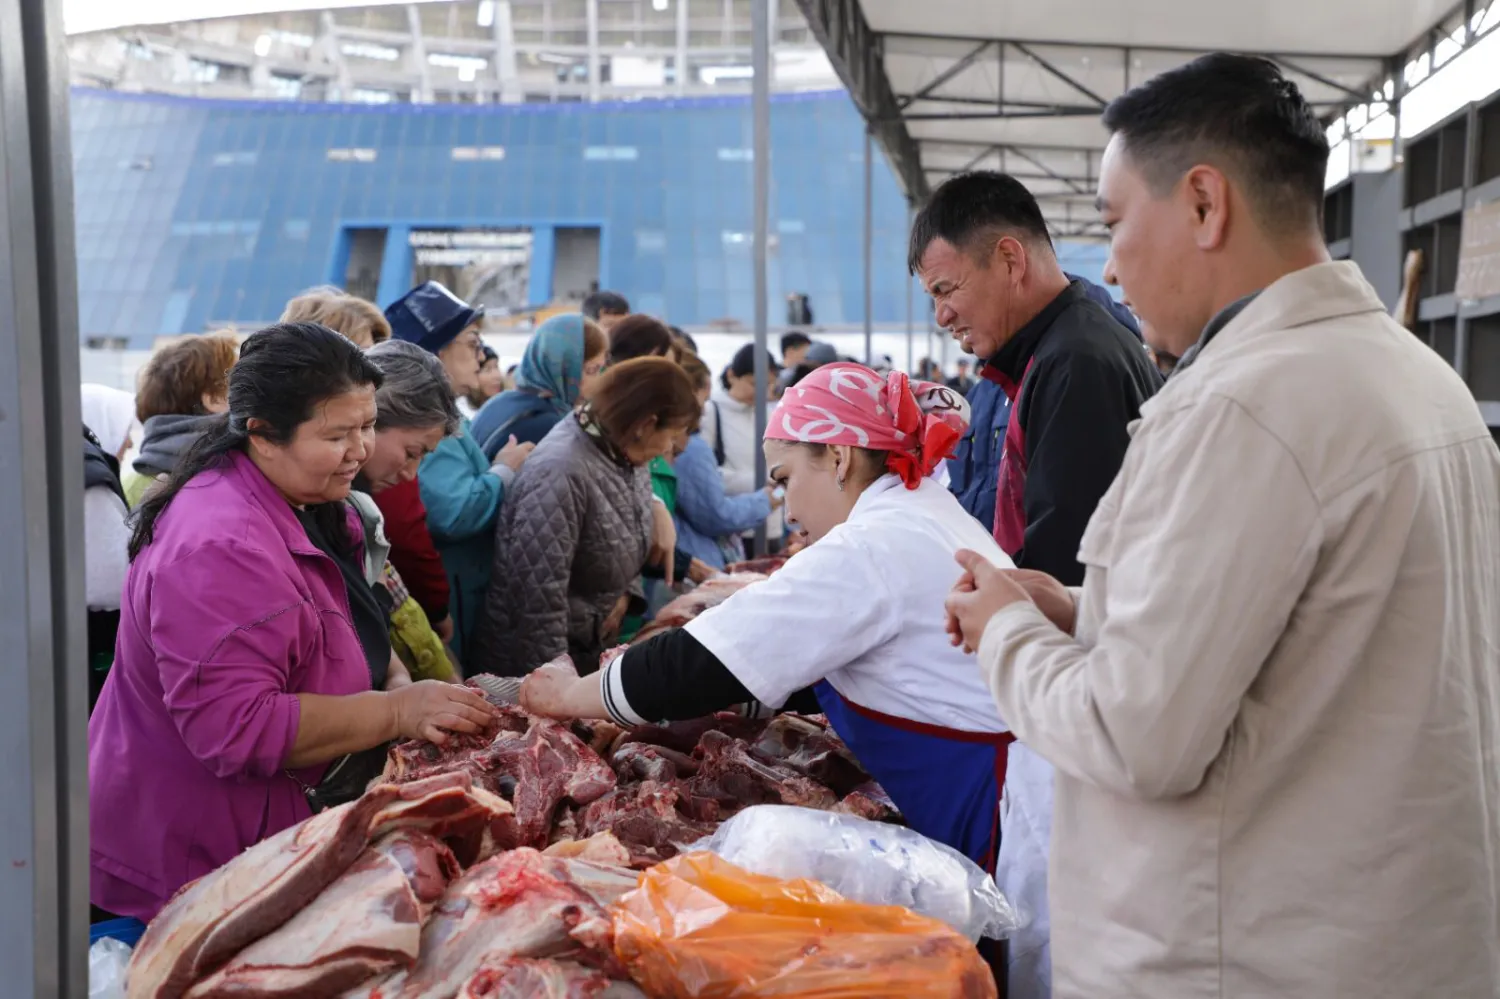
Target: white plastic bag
pixel 869 862
pixel 108 959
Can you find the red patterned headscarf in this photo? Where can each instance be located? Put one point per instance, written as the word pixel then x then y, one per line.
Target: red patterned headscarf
pixel 917 422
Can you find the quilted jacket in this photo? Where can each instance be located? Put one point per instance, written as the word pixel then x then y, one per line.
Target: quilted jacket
pixel 572 536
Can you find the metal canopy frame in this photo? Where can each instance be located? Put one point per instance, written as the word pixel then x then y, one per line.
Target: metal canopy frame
pixel 942 102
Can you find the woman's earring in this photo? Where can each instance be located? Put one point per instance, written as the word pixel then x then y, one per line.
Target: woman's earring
pixel 841 485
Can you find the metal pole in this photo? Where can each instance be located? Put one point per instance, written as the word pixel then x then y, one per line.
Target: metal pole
pixel 910 333
pixel 869 250
pixel 760 61
pixel 43 689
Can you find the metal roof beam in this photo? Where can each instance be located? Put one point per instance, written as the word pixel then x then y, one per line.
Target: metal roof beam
pixel 989 102
pixel 857 55
pixel 920 36
pixel 1057 112
pixel 947 74
pixel 1064 77
pixel 1319 78
pixel 1045 169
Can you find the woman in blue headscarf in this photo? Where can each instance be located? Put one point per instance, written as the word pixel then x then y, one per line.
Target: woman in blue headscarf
pixel 563 359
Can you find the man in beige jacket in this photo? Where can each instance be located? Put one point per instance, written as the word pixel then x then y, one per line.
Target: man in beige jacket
pixel 1274 704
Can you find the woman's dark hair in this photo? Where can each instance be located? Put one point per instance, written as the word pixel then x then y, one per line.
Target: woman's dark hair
pixel 414 391
pixel 683 339
pixel 283 373
pixel 639 336
pixel 744 364
pixel 647 388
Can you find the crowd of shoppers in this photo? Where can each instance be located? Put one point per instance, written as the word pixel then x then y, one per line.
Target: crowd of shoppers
pixel 1230 718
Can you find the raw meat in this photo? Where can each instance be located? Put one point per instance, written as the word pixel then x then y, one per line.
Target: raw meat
pixel 365 923
pixel 684 736
pixel 221 913
pixel 527 978
pixel 645 819
pixel 812 751
pixel 869 801
pixel 710 594
pixel 637 761
pixel 764 565
pixel 549 765
pixel 733 777
pixel 601 848
pixel 518 904
pixel 597 734
pixel 474 822
pixel 425 860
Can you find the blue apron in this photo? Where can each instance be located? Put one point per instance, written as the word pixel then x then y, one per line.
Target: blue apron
pixel 946 782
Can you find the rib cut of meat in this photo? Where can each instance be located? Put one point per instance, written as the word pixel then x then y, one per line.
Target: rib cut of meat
pixel 474 822
pixel 869 801
pixel 365 923
pixel 225 911
pixel 425 860
pixel 549 765
pixel 645 819
pixel 736 779
pixel 528 978
pixel 519 904
pixel 810 750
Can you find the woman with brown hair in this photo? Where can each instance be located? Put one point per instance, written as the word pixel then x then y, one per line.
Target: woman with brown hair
pixel 181 390
pixel 335 308
pixel 576 527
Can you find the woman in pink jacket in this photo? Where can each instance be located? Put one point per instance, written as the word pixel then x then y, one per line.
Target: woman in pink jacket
pixel 251 653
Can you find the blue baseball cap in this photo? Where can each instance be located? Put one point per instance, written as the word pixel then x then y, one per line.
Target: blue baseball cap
pixel 431 316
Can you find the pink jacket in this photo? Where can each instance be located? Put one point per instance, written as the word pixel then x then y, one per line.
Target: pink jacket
pixel 227 615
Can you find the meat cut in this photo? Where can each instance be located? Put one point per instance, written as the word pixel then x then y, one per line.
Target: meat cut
pixel 645 818
pixel 709 594
pixel 217 916
pixel 365 923
pixel 528 978
pixel 549 765
pixel 223 913
pixel 869 801
pixel 519 904
pixel 733 777
pixel 812 751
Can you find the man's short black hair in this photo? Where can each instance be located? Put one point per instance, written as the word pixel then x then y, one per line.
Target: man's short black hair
pixel 793 340
pixel 600 302
pixel 973 210
pixel 1238 113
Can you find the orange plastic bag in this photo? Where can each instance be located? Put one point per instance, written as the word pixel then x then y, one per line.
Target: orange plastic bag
pixel 699 927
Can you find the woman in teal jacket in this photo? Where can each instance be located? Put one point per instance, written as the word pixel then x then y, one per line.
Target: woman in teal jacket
pixel 461 488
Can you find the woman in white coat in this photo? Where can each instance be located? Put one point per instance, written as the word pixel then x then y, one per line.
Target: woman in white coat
pixel 728 425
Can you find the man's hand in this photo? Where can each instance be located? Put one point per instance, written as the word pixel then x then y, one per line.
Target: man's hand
pixel 980 593
pixel 548 690
pixel 1051 597
pixel 663 540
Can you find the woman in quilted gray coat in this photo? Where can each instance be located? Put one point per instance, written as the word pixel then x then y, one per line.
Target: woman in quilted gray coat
pixel 576 528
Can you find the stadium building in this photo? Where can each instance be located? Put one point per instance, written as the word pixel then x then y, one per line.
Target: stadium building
pixel 522 151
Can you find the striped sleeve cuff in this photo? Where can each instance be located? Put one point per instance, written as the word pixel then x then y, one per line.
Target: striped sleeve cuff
pixel 613 687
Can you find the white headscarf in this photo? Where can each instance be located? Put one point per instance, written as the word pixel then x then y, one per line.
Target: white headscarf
pixel 110 414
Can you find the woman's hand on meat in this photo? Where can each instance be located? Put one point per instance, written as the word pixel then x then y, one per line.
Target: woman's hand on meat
pixel 700 571
pixel 980 593
pixel 663 539
pixel 431 709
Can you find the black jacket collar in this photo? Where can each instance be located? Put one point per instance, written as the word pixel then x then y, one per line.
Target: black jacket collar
pixel 1009 363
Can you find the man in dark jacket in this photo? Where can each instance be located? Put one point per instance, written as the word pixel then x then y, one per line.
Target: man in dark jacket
pixel 974 469
pixel 1075 377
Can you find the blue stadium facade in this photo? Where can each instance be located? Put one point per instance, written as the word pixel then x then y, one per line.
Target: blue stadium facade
pixel 193 213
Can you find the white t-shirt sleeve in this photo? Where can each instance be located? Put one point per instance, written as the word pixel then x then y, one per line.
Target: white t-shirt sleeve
pixel 106 539
pixel 823 610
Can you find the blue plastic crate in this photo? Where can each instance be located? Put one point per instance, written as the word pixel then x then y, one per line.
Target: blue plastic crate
pixel 127 931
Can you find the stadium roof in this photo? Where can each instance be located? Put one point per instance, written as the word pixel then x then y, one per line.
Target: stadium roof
pixel 1018 85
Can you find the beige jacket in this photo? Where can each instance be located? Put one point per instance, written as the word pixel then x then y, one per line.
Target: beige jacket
pixel 1277 732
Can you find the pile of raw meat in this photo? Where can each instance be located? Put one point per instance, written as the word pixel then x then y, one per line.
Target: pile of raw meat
pixel 656 788
pixel 483 869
